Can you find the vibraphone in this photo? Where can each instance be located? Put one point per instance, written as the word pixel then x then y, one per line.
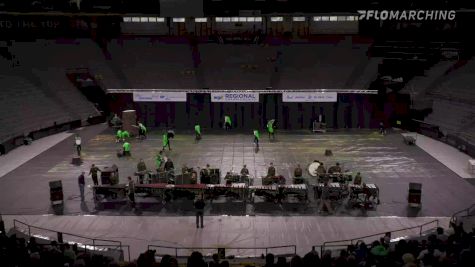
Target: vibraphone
pixel 337 191
pixel 367 190
pixel 269 192
pixel 236 190
pixel 300 191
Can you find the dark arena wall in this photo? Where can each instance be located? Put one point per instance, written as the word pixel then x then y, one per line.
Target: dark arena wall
pixel 351 111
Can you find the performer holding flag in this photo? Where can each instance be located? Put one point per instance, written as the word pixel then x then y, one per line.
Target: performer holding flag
pixel 197 132
pixel 165 141
pixel 227 122
pixel 142 130
pixel 256 138
pixel 270 129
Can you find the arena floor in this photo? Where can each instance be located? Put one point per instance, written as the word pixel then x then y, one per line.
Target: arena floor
pixel 383 160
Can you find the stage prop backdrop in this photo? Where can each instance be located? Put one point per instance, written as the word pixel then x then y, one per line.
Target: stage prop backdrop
pixel 350 110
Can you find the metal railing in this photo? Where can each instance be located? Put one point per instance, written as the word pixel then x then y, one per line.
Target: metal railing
pixel 93 244
pixel 188 250
pixel 347 242
pixel 466 211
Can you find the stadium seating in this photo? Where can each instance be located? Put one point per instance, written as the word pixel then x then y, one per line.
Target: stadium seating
pixel 36 93
pixel 420 85
pixel 449 116
pixel 145 64
pixel 324 65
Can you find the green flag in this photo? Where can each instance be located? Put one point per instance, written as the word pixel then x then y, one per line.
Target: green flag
pixel 119 134
pixel 143 128
pixel 227 119
pixel 125 134
pixel 197 129
pixel 256 134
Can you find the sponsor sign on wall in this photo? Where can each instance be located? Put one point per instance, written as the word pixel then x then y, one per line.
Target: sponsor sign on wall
pixel 159 96
pixel 235 97
pixel 310 97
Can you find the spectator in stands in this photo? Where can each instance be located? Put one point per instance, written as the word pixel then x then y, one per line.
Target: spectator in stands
pixel 440 234
pixel 224 264
pixel 196 260
pixel 296 261
pixel 215 261
pixel 69 254
pixel 82 184
pixel 93 172
pixel 269 260
pixel 282 262
pixel 311 259
pixel 199 206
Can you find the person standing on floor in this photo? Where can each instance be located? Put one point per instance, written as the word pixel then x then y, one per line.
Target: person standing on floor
pixel 199 206
pixel 142 131
pixel 82 184
pixel 77 143
pixel 227 122
pixel 118 136
pixel 93 172
pixel 256 138
pixel 325 199
pixel 165 142
pixel 197 132
pixel 131 191
pixel 270 129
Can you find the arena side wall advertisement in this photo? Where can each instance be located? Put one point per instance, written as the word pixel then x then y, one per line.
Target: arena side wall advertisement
pixel 159 96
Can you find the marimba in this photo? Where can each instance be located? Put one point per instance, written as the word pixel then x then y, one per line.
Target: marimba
pixel 336 191
pixel 270 192
pixel 360 195
pixel 236 190
pixel 298 190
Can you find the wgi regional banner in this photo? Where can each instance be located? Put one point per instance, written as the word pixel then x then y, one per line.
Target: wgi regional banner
pixel 235 97
pixel 310 97
pixel 159 96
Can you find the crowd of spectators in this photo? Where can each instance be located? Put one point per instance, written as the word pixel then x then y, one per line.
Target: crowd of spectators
pixel 437 250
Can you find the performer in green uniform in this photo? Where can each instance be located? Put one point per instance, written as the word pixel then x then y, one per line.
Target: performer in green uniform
pixel 256 137
pixel 197 132
pixel 158 161
pixel 142 131
pixel 165 141
pixel 126 147
pixel 125 134
pixel 118 136
pixel 270 129
pixel 227 122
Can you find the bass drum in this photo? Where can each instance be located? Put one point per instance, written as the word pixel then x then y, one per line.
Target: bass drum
pixel 312 169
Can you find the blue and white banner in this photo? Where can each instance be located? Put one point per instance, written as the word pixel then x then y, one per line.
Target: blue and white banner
pixel 310 97
pixel 159 96
pixel 235 97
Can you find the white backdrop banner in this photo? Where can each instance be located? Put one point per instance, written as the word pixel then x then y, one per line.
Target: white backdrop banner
pixel 310 97
pixel 159 96
pixel 235 97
